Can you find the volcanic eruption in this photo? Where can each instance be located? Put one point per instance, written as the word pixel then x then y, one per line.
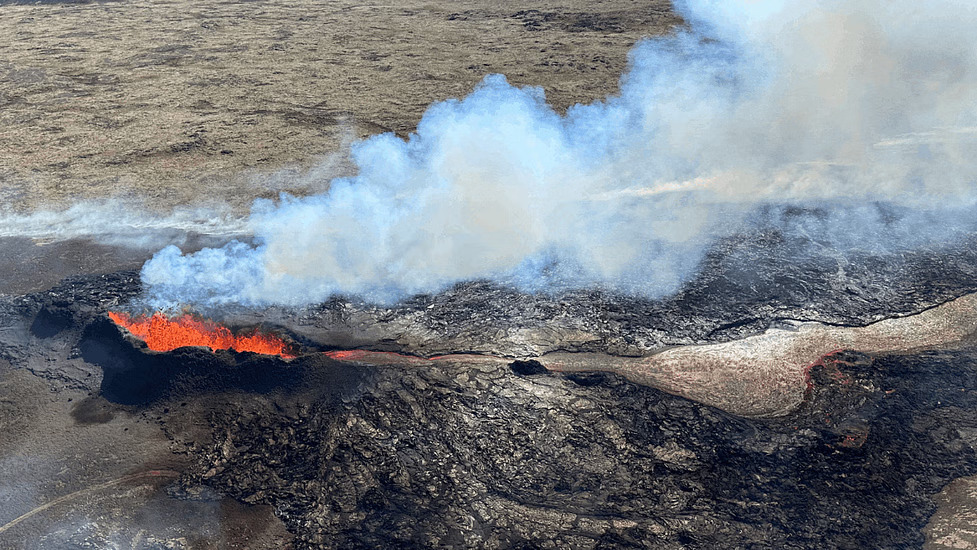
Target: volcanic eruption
pixel 164 333
pixel 846 126
pixel 731 305
pixel 843 130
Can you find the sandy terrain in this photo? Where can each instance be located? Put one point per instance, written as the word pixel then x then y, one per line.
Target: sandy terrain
pixel 76 469
pixel 181 101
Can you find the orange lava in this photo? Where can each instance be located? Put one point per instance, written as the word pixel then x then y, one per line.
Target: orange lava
pixel 162 333
pixel 382 358
pixel 346 354
pixel 376 357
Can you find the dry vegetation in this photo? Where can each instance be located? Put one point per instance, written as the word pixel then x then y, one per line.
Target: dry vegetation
pixel 180 101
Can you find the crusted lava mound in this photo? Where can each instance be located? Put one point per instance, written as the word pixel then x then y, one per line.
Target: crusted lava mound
pixel 490 458
pixel 507 454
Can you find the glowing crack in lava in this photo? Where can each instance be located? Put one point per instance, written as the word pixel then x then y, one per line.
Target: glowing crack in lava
pixel 162 333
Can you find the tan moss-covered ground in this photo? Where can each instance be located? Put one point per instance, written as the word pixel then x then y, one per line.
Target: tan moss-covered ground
pixel 181 101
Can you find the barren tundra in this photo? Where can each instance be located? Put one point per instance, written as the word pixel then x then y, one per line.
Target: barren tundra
pixel 176 102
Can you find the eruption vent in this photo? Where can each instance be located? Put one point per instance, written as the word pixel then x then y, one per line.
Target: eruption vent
pixel 162 333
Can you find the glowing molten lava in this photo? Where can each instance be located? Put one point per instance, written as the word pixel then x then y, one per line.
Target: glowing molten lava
pixel 162 333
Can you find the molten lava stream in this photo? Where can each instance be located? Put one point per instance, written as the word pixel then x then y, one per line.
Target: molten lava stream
pixel 162 333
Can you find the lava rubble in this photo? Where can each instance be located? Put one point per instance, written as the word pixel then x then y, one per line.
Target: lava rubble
pixel 466 452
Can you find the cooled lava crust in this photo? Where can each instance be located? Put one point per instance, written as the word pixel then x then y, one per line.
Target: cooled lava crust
pixel 507 454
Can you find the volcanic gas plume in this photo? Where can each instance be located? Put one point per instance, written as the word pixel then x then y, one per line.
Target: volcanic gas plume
pixel 858 114
pixel 163 333
pixel 863 112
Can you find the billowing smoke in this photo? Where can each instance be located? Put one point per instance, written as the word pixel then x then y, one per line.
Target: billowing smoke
pixel 863 108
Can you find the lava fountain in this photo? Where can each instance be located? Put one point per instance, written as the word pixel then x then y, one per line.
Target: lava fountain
pixel 162 333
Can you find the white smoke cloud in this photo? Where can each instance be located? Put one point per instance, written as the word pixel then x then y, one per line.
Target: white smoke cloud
pixel 864 103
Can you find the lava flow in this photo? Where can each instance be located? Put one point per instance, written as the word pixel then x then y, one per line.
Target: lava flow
pixel 162 333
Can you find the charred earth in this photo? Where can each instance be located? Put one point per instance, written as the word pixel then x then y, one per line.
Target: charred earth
pixel 502 453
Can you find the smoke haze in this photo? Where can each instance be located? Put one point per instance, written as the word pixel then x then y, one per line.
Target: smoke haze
pixel 124 223
pixel 865 108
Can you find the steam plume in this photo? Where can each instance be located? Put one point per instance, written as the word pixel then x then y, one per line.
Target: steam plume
pixel 868 104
